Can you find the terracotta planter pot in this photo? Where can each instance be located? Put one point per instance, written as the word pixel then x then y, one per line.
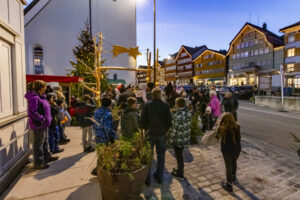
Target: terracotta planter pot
pixel 122 186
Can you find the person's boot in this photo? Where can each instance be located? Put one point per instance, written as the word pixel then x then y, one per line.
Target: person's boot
pixel 157 178
pixel 177 175
pixel 235 181
pixel 58 151
pixel 51 159
pixel 41 166
pixel 227 186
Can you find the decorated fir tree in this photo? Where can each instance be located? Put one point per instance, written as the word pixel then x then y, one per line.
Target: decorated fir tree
pixel 84 54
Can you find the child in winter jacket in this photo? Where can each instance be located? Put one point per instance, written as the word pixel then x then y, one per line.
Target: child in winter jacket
pixel 53 130
pixel 207 120
pixel 180 134
pixel 130 122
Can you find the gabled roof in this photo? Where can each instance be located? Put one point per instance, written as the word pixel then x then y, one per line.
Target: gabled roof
pixel 174 55
pixel 161 63
pixel 290 26
pixel 271 38
pixel 214 51
pixel 31 5
pixel 193 51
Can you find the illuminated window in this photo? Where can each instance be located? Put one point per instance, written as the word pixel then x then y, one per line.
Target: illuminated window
pixel 266 50
pixel 38 59
pixel 291 52
pixel 290 67
pixel 291 37
pixel 261 51
pixel 297 82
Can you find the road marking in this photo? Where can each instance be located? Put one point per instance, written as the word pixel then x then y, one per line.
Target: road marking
pixel 271 113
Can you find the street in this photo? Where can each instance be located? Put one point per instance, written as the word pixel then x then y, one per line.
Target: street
pixel 268 124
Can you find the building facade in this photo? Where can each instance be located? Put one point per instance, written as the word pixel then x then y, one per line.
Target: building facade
pixel 14 143
pixel 184 64
pixel 255 56
pixel 210 68
pixel 292 54
pixel 161 74
pixel 52 28
pixel 170 69
pixel 141 76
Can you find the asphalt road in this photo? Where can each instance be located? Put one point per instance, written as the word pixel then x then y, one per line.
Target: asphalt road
pixel 269 125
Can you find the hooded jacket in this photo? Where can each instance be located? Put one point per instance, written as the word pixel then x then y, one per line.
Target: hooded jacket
pixel 39 111
pixel 215 106
pixel 130 122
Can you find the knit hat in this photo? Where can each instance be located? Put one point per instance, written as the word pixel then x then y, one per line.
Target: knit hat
pixel 208 109
pixel 59 102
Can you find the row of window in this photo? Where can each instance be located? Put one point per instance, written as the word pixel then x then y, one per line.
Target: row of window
pixel 258 63
pixel 250 43
pixel 171 75
pixel 251 53
pixel 171 68
pixel 185 74
pixel 290 67
pixel 183 54
pixel 208 56
pixel 210 71
pixel 294 82
pixel 186 60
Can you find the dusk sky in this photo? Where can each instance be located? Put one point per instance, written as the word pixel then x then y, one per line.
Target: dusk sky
pixel 210 22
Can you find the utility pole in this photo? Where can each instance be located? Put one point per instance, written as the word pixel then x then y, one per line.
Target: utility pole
pixel 154 46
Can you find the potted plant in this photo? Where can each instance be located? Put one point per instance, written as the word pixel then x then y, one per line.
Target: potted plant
pixel 123 167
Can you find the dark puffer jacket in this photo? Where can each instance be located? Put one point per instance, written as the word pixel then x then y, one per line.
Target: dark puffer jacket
pixel 130 122
pixel 82 111
pixel 156 117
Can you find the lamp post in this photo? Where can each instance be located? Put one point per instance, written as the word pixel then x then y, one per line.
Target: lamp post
pixel 154 46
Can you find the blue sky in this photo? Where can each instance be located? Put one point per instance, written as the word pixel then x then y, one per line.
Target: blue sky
pixel 210 22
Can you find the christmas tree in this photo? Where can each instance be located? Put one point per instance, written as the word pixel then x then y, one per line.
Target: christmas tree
pixel 84 54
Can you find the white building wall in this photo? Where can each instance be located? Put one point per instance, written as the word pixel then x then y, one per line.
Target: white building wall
pixel 56 27
pixel 14 147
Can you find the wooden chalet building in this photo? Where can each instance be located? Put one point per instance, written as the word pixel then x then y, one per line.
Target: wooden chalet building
pixel 185 65
pixel 170 69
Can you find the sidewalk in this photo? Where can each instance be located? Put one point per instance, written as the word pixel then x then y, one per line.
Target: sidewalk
pixel 264 172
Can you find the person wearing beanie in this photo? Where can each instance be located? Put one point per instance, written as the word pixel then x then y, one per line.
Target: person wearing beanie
pixel 207 119
pixel 53 130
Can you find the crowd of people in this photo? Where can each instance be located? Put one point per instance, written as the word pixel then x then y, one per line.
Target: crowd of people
pixel 164 115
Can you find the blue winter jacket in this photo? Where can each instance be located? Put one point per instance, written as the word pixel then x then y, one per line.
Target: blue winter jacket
pixel 104 131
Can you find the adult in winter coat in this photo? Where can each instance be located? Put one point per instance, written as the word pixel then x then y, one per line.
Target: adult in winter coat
pixel 124 96
pixel 215 105
pixel 141 96
pixel 39 113
pixel 130 119
pixel 156 119
pixel 83 111
pixel 171 95
pixel 230 104
pixel 179 134
pixel 229 134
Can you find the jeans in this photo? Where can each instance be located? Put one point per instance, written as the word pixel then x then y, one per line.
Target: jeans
pixel 40 146
pixel 87 131
pixel 54 139
pixel 160 143
pixel 179 158
pixel 47 154
pixel 62 134
pixel 230 159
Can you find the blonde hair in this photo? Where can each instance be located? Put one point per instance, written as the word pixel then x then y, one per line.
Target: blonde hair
pixel 212 92
pixel 228 125
pixel 156 93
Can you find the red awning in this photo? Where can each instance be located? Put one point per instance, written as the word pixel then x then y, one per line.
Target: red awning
pixel 59 79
